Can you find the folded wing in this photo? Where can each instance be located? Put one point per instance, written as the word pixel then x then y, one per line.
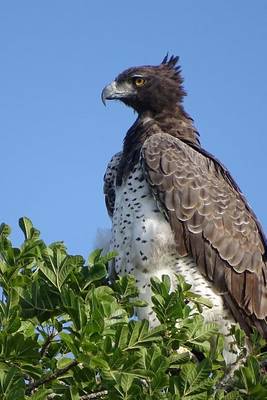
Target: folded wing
pixel 212 222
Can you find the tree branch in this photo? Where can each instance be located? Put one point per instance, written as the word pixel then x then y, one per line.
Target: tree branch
pixel 46 345
pixel 94 395
pixel 50 377
pixel 90 396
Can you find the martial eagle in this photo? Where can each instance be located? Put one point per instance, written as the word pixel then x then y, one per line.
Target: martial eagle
pixel 176 209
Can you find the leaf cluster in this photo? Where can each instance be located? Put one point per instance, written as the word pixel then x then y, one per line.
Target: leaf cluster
pixel 67 333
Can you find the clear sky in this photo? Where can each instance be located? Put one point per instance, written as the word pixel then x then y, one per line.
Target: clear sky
pixel 56 135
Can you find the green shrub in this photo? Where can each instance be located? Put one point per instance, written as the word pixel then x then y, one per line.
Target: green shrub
pixel 67 334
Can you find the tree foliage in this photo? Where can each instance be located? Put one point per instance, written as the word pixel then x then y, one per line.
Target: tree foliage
pixel 66 333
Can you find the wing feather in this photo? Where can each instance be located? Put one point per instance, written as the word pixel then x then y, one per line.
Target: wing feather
pixel 211 221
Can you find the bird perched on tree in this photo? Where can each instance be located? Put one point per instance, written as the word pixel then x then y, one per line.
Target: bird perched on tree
pixel 176 209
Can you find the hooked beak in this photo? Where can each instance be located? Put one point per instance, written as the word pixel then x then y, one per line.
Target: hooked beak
pixel 115 91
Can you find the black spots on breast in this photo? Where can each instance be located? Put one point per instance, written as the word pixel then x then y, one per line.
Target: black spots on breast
pixel 139 216
pixel 125 239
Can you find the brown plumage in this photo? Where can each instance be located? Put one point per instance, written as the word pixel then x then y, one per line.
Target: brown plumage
pixel 208 214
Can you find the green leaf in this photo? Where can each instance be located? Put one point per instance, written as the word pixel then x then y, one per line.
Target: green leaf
pixel 98 362
pixel 94 257
pixel 232 396
pixel 65 270
pixel 63 362
pixel 140 334
pixel 29 231
pixel 69 341
pixel 5 230
pixel 11 384
pixel 126 381
pixel 48 273
pixel 195 379
pixel 75 307
pixel 41 394
pixel 196 298
pixel 96 272
pixel 122 337
pixel 125 286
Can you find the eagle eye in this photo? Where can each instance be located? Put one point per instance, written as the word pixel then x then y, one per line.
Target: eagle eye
pixel 139 81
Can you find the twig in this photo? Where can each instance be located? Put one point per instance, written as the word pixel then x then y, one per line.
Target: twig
pixel 50 377
pixel 46 345
pixel 89 396
pixel 226 381
pixel 94 395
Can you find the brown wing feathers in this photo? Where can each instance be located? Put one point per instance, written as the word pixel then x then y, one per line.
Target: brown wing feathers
pixel 212 222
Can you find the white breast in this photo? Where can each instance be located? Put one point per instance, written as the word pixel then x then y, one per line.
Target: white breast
pixel 140 233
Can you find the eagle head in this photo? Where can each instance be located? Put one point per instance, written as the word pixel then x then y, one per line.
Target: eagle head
pixel 148 88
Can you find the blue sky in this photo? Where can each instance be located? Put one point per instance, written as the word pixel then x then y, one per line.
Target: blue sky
pixel 57 137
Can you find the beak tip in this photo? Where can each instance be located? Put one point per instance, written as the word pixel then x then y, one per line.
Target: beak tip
pixel 103 97
pixel 109 92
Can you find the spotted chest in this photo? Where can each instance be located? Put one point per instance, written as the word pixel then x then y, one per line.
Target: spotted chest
pixel 140 233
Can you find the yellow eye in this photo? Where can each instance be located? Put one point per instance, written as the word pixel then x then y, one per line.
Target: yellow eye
pixel 139 81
